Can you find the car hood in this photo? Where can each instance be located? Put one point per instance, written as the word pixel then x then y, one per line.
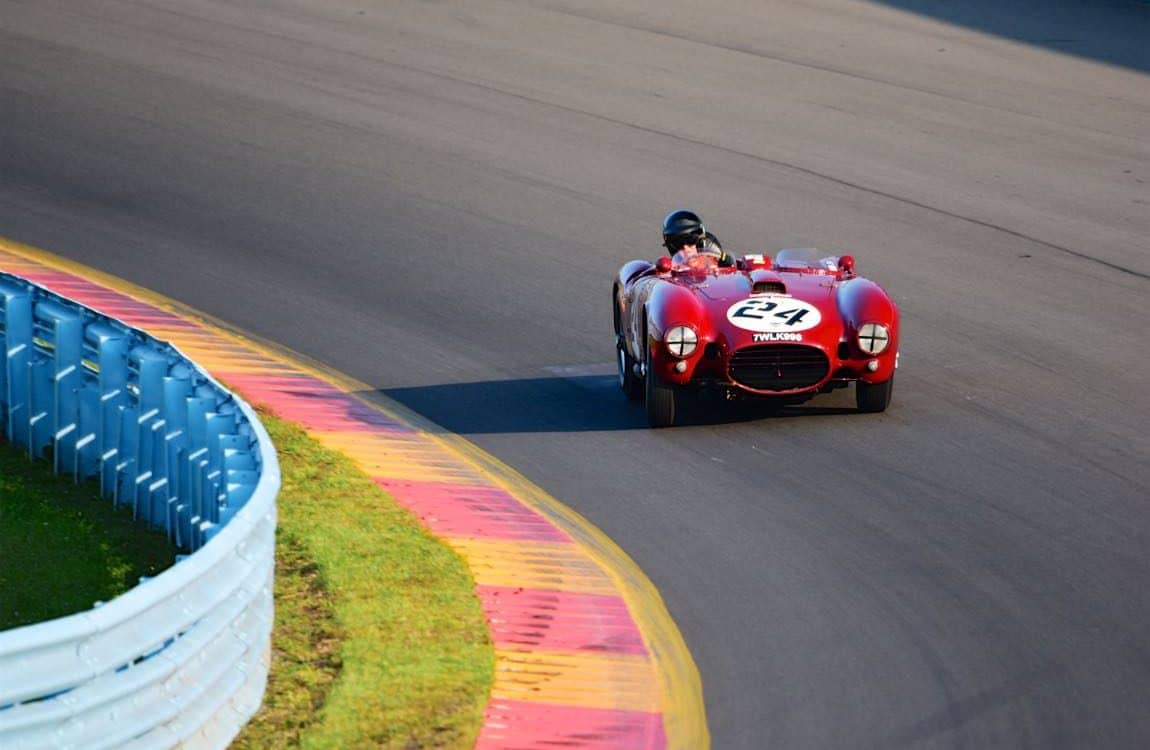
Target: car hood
pixel 744 305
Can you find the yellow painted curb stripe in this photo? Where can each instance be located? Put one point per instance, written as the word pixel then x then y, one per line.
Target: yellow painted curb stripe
pixel 411 457
pixel 542 565
pixel 576 679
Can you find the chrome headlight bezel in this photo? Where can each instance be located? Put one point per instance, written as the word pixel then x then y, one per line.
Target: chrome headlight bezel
pixel 681 341
pixel 873 338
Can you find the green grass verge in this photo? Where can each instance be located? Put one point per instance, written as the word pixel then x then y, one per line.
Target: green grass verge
pixel 379 640
pixel 62 546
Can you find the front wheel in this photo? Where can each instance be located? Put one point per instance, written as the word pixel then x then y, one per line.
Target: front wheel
pixel 661 401
pixel 873 397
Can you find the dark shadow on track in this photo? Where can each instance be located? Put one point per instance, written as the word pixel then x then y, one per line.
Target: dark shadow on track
pixel 550 404
pixel 585 403
pixel 1110 31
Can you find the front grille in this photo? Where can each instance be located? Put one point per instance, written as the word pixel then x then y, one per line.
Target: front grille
pixel 779 367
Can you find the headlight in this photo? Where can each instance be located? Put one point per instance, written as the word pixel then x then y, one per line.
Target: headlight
pixel 873 338
pixel 681 341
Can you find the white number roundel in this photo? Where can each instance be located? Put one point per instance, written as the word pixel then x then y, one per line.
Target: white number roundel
pixel 767 314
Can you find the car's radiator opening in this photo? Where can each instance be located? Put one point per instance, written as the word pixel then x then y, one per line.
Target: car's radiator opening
pixel 779 367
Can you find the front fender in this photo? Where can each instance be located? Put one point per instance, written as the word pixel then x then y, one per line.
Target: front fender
pixel 672 305
pixel 863 301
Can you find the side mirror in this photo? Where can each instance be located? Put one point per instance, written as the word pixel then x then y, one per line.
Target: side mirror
pixel 663 265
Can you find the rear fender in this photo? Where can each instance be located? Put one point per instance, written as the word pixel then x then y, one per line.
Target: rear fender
pixel 624 303
pixel 632 270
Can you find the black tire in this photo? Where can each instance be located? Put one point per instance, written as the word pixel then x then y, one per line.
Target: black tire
pixel 661 402
pixel 631 383
pixel 873 397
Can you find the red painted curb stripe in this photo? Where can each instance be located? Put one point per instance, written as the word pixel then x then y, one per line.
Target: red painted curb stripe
pixel 523 725
pixel 107 301
pixel 559 620
pixel 312 403
pixel 460 510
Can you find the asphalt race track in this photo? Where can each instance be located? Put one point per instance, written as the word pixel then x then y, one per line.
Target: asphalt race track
pixel 434 197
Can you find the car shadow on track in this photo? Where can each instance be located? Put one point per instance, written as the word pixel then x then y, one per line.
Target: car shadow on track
pixel 582 403
pixel 1109 32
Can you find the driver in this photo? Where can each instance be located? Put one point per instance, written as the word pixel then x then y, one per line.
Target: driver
pixel 685 237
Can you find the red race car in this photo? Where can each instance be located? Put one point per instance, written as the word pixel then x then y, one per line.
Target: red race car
pixel 776 330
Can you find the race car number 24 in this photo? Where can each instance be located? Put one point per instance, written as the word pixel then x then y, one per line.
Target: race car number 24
pixel 765 314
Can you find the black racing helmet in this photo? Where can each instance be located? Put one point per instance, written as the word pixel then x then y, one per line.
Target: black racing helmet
pixel 681 228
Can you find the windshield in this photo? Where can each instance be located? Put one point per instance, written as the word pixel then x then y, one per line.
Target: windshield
pixel 805 257
pixel 695 261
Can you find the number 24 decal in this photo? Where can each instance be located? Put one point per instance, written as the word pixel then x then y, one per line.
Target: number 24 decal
pixel 753 307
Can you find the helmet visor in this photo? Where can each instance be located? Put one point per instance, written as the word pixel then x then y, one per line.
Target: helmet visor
pixel 677 241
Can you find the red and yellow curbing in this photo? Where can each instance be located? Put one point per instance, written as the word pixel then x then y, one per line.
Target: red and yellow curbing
pixel 586 653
